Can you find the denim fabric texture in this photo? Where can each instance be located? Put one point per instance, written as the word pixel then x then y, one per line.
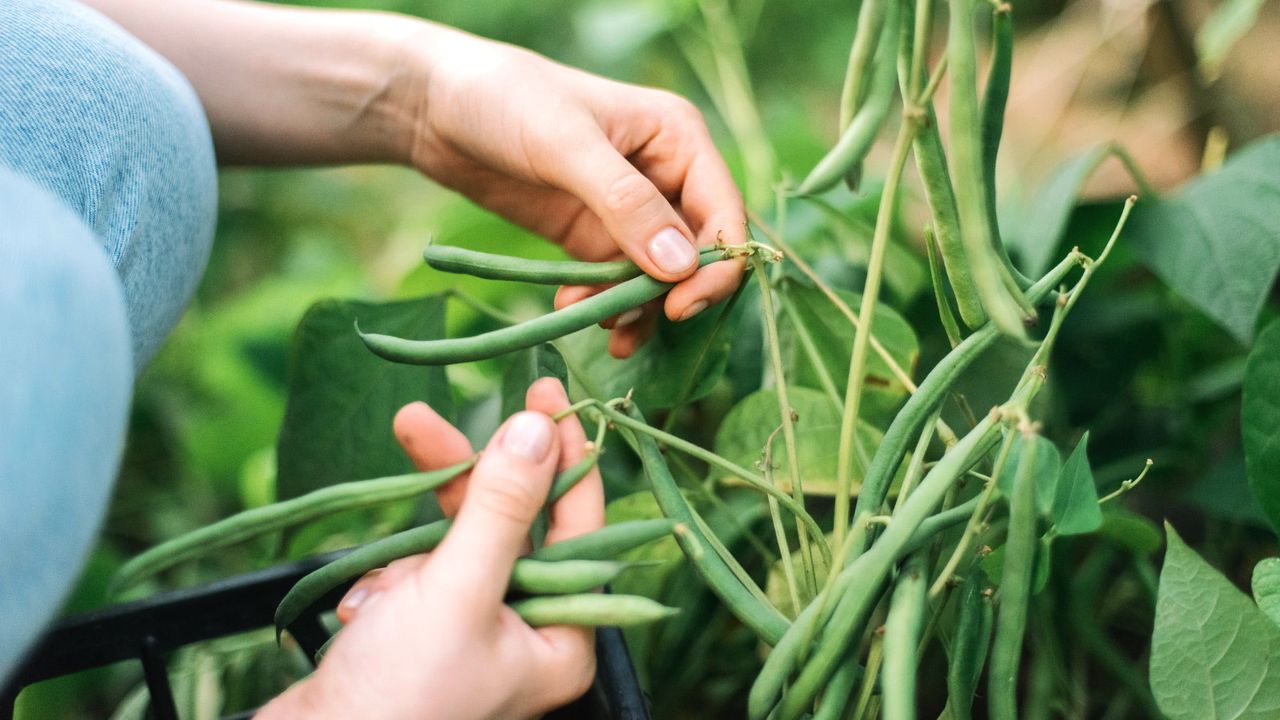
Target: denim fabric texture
pixel 63 405
pixel 90 113
pixel 107 205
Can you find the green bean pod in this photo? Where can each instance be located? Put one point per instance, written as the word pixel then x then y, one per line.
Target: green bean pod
pixel 591 609
pixel 448 258
pixel 902 630
pixel 1006 307
pixel 572 475
pixel 857 138
pixel 277 516
pixel 606 542
pixel 617 299
pixel 925 400
pixel 931 161
pixel 764 620
pixel 1015 593
pixel 835 697
pixel 533 574
pixel 867 36
pixel 563 577
pixel 379 553
pixel 969 648
pixel 859 586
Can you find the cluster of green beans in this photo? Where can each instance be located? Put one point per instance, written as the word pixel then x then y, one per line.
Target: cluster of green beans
pixel 630 293
pixel 575 566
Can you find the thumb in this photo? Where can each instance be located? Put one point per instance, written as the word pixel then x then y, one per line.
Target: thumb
pixel 632 209
pixel 506 489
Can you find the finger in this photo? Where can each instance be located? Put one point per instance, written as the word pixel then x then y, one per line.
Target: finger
pixel 431 442
pixel 580 510
pixel 710 285
pixel 506 489
pixel 633 211
pixel 370 587
pixel 624 341
pixel 565 664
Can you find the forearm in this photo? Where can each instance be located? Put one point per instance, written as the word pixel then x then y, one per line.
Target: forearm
pixel 285 85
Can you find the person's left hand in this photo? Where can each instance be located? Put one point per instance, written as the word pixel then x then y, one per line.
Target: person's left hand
pixel 429 635
pixel 604 168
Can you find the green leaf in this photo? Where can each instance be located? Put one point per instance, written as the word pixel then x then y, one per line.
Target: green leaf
pixel 1266 587
pixel 1260 416
pixel 1215 242
pixel 1131 531
pixel 832 335
pixel 1075 505
pixel 1046 465
pixel 1230 20
pixel 742 436
pixel 524 368
pixel 1046 220
pixel 342 398
pixel 1214 654
pixel 660 369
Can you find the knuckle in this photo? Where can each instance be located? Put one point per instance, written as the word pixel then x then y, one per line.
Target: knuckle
pixel 574 678
pixel 509 496
pixel 630 194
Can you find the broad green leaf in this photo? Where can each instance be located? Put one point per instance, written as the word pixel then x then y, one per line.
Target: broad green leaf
pixel 832 336
pixel 1131 531
pixel 1214 654
pixel 1217 242
pixel 745 430
pixel 1036 243
pixel 1266 587
pixel 904 273
pixel 1046 465
pixel 1230 20
pixel 524 368
pixel 659 371
pixel 1260 417
pixel 342 398
pixel 1075 504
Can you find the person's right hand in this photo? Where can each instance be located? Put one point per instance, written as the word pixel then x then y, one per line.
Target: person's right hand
pixel 429 636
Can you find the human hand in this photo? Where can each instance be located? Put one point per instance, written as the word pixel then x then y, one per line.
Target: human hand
pixel 429 636
pixel 604 168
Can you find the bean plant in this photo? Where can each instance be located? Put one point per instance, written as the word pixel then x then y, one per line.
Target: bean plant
pixel 884 540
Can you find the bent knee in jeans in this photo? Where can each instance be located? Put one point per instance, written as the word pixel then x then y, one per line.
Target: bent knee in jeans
pixel 65 381
pixel 118 134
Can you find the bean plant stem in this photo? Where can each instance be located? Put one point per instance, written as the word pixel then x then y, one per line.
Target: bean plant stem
pixel 870 297
pixel 779 531
pixel 788 419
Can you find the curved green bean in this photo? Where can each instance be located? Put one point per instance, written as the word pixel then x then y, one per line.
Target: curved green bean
pixel 277 516
pixel 994 99
pixel 1006 307
pixel 857 138
pixel 591 609
pixel 606 542
pixel 533 574
pixel 902 630
pixel 763 619
pixel 1015 593
pixel 619 298
pixel 448 258
pixel 969 649
pixel 572 475
pixel 835 697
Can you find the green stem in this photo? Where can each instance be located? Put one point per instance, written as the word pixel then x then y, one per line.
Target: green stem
pixel 779 531
pixel 866 316
pixel 784 409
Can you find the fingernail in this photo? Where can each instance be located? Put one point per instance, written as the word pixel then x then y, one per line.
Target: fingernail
pixel 693 309
pixel 627 318
pixel 356 598
pixel 670 251
pixel 528 435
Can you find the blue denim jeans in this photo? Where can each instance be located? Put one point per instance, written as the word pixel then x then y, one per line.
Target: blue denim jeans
pixel 107 205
